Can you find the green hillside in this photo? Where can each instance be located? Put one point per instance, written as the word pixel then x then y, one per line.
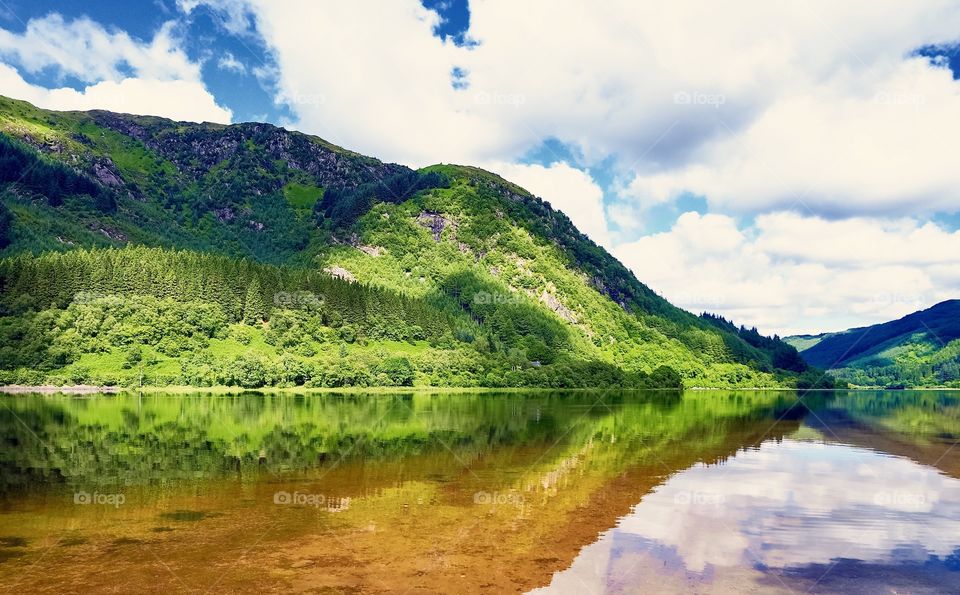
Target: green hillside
pixel 458 277
pixel 918 350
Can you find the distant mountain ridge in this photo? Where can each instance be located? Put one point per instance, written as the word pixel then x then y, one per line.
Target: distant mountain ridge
pixel 920 349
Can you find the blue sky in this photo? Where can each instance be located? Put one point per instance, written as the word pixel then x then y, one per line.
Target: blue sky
pixel 790 170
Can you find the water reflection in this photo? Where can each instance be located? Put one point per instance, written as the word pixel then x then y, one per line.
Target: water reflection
pixel 603 492
pixel 783 512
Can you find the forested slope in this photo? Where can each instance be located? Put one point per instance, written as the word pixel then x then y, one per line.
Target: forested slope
pixel 458 262
pixel 920 349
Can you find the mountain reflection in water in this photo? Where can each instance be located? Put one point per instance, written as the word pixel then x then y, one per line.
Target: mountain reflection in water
pixel 481 492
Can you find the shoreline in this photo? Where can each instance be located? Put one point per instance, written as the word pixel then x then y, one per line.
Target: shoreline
pixel 86 389
pixel 234 390
pixel 77 389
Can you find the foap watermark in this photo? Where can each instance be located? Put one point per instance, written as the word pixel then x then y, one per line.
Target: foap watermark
pixel 907 99
pixel 497 499
pixel 700 300
pixel 308 499
pixel 697 98
pixel 314 99
pixel 88 297
pixel 708 499
pixel 901 500
pixel 897 298
pixel 509 99
pixel 297 299
pixel 498 298
pixel 85 498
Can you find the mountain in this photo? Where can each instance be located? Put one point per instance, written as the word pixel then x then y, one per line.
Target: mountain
pixel 308 263
pixel 920 349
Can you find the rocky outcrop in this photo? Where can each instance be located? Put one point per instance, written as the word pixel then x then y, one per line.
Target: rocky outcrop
pixel 339 272
pixel 113 234
pixel 373 251
pixel 196 148
pixel 552 302
pixel 106 173
pixel 436 223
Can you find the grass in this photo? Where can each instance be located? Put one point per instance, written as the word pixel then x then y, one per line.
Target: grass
pixel 111 363
pixel 365 390
pixel 302 196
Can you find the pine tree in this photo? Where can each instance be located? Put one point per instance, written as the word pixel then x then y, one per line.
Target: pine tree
pixel 254 308
pixel 6 226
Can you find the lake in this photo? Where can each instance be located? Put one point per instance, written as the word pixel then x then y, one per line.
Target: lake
pixel 578 492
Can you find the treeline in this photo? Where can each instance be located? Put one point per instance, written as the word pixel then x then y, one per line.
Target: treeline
pixel 244 290
pixel 917 365
pixel 23 165
pixel 782 355
pixel 134 339
pixel 938 325
pixel 342 206
pixel 161 317
pixel 6 225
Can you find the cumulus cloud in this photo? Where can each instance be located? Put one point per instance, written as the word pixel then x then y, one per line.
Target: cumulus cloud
pixel 178 100
pixel 567 189
pixel 393 98
pixel 83 49
pixel 862 142
pixel 790 274
pixel 230 63
pixel 120 73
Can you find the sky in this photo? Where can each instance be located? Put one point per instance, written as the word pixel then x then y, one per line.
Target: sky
pixel 788 165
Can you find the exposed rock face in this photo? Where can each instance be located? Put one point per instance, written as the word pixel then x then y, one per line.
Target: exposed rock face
pixel 357 243
pixel 557 306
pixel 436 223
pixel 374 251
pixel 113 234
pixel 106 173
pixel 340 273
pixel 196 148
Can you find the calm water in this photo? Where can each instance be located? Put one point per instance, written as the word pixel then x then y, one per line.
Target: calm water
pixel 554 493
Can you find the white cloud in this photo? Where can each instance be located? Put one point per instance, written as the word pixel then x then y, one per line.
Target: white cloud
pixel 383 77
pixel 860 143
pixel 792 274
pixel 230 63
pixel 234 15
pixel 84 49
pixel 178 100
pixel 121 74
pixel 567 189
